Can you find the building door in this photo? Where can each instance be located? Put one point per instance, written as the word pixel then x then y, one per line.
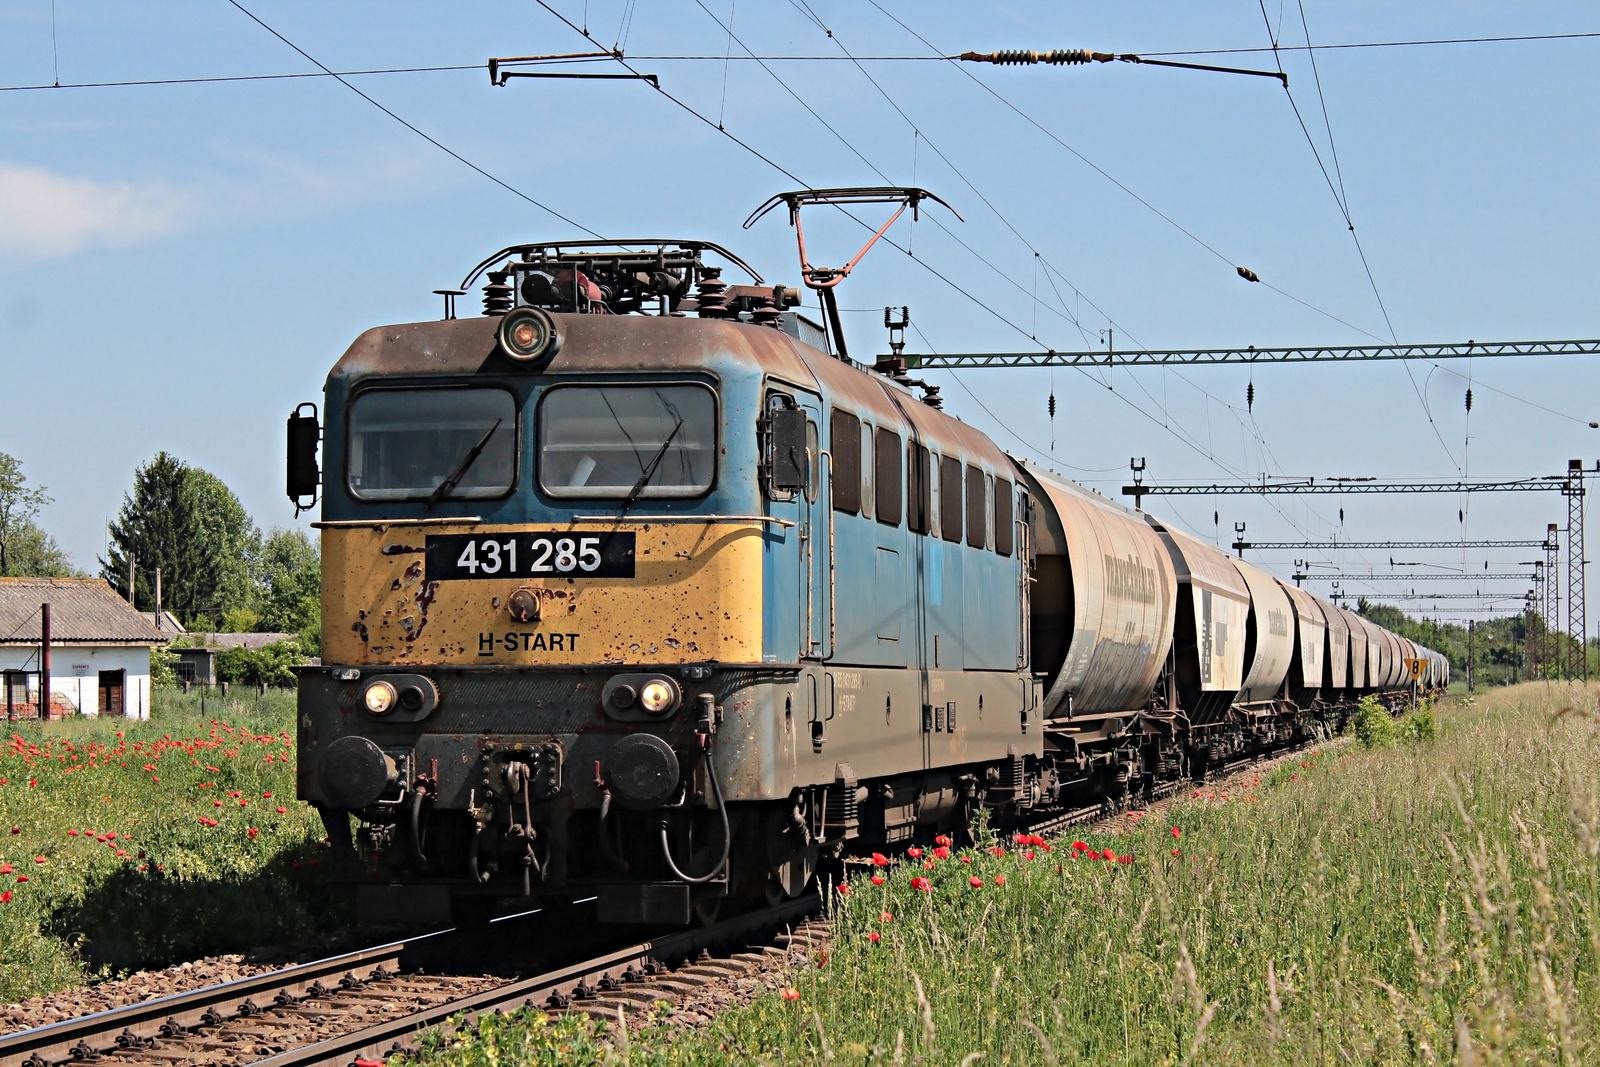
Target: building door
pixel 112 689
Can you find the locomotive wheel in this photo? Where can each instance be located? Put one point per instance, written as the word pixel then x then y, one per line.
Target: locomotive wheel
pixel 706 904
pixel 790 863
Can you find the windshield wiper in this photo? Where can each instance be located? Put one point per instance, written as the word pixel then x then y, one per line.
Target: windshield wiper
pixel 447 486
pixel 648 472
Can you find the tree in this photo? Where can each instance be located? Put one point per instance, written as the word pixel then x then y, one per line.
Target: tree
pixel 33 553
pixel 189 524
pixel 289 573
pixel 18 506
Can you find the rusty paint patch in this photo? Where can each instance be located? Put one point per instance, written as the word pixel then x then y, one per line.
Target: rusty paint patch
pixel 414 572
pixel 401 550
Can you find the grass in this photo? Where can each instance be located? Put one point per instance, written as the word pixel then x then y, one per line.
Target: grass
pixel 1419 902
pixel 116 855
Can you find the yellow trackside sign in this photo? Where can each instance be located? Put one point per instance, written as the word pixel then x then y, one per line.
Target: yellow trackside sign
pixel 1416 666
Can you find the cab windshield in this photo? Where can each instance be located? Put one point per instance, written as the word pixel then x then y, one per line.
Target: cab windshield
pixel 604 441
pixel 406 443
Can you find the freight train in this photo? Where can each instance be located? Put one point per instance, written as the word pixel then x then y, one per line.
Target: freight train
pixel 634 587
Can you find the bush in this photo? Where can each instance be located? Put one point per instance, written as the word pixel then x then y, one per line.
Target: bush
pixel 268 665
pixel 1372 724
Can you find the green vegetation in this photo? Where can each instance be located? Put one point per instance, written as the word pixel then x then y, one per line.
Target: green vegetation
pixel 1418 902
pixel 160 841
pixel 1374 727
pixel 26 551
pixel 217 570
pixel 269 665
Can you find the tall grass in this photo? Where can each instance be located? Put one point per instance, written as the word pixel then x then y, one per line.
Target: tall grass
pixel 1431 902
pixel 115 853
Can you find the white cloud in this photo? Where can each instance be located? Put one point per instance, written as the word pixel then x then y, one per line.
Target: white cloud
pixel 45 214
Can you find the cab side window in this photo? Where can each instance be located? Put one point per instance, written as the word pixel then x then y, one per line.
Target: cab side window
pixel 844 446
pixel 977 508
pixel 919 488
pixel 950 498
pixel 1004 529
pixel 886 475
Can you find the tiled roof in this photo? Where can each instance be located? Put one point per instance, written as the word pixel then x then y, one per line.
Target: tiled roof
pixel 83 611
pixel 248 641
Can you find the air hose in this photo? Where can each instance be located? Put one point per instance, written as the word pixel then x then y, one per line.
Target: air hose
pixel 708 735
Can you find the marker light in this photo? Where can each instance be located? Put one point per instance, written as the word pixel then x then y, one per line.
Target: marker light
pixel 379 698
pixel 527 334
pixel 657 697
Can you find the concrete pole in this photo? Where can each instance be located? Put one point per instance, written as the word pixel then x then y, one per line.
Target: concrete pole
pixel 44 662
pixel 158 599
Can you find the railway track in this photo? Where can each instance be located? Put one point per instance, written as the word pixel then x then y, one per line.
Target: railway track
pixel 370 1004
pixel 1097 813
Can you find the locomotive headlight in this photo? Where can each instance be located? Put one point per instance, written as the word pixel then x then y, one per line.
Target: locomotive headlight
pixel 379 698
pixel 528 335
pixel 658 696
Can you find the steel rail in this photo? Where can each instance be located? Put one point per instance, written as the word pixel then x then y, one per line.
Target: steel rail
pixel 1248 354
pixel 118 1028
pixel 576 981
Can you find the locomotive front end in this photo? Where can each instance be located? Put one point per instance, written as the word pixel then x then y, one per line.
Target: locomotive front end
pixel 542 587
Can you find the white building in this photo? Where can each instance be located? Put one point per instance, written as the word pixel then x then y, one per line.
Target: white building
pixel 99 648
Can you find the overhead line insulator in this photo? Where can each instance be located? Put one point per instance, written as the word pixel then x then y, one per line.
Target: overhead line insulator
pixel 1013 57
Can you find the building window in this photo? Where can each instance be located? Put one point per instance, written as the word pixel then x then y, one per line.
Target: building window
pixel 886 475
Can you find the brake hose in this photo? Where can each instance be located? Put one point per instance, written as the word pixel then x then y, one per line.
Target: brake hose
pixel 722 809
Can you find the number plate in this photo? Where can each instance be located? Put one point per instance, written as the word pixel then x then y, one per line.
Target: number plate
pixel 461 557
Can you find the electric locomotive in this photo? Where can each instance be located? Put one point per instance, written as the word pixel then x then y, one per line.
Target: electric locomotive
pixel 635 587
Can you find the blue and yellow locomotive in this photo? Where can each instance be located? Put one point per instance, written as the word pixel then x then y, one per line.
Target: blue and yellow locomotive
pixel 634 588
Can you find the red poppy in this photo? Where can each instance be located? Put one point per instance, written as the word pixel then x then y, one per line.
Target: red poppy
pixel 1175 852
pixel 252 832
pixel 942 840
pixel 17 829
pixel 72 833
pixel 1176 832
pixel 878 858
pixel 5 897
pixel 216 803
pixel 975 882
pixel 22 878
pixel 282 811
pixel 941 853
pixel 38 859
pixel 266 796
pixel 923 884
pixel 996 850
pixel 6 868
pixel 873 937
pixel 886 917
pixel 791 993
pixel 877 879
pixel 927 865
pixel 966 859
pixel 1108 854
pixel 999 879
pixel 1079 846
pixel 914 853
pixel 1027 855
pixel 844 890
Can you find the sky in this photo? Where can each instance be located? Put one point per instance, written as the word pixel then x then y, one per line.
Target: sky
pixel 180 264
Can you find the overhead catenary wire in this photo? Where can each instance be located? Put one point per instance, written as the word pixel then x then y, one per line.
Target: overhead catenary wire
pixel 426 137
pixel 1341 199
